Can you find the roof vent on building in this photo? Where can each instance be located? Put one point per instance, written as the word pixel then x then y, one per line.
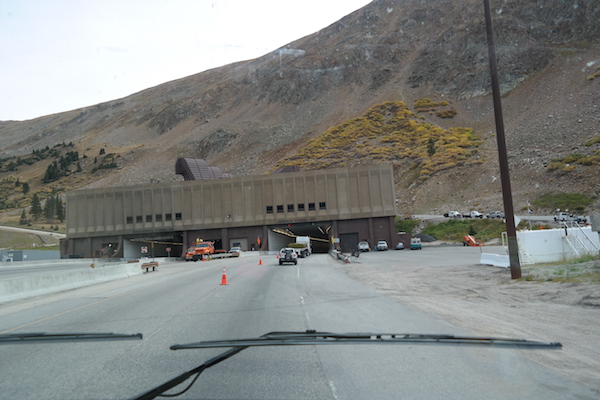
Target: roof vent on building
pixel 193 169
pixel 288 168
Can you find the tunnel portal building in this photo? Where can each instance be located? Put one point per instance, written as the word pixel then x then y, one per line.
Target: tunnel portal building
pixel 335 207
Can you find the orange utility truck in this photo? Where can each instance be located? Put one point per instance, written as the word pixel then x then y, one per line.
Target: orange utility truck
pixel 199 250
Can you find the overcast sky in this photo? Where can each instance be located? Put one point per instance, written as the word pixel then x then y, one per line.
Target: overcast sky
pixel 59 55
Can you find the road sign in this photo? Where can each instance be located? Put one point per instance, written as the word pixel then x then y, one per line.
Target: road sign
pixel 144 249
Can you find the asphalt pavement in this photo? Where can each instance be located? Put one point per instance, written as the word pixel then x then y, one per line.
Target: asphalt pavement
pixel 188 302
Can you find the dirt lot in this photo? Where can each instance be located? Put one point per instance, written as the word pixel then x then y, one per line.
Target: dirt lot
pixel 485 301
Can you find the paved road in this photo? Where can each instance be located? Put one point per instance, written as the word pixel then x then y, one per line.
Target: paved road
pixel 185 302
pixel 32 231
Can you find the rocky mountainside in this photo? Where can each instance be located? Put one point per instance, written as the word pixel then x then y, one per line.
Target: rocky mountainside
pixel 248 116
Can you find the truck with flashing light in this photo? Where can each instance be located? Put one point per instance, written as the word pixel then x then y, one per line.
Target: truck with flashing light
pixel 200 250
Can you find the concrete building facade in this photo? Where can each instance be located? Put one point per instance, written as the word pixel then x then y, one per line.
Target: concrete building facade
pixel 336 207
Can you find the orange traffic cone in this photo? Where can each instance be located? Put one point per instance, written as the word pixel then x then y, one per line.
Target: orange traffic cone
pixel 260 261
pixel 224 278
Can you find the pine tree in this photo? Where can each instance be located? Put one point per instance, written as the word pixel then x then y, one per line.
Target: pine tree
pixel 25 188
pixel 50 208
pixel 23 219
pixel 36 207
pixel 60 209
pixel 431 147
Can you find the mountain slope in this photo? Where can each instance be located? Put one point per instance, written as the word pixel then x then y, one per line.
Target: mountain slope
pixel 246 117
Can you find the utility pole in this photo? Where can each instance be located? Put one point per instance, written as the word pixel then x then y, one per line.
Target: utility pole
pixel 511 231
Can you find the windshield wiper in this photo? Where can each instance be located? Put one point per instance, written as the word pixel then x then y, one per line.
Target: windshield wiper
pixel 39 337
pixel 321 338
pixel 316 338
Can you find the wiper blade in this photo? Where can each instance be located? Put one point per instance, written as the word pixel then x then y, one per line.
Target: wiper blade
pixel 320 338
pixel 39 337
pixel 316 338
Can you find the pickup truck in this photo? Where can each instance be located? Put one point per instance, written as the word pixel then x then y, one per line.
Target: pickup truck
pixel 453 214
pixel 565 216
pixel 473 214
pixel 496 214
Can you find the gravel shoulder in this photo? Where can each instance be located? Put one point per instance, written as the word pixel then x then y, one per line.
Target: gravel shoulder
pixel 486 301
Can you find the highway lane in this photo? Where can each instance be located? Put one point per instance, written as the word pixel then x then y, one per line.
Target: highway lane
pixel 185 302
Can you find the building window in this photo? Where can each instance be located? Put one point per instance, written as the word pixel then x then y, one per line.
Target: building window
pixel 168 217
pixel 177 216
pixel 148 218
pixel 280 208
pixel 130 220
pixel 269 209
pixel 300 206
pixel 322 206
pixel 158 217
pixel 138 218
pixel 290 208
pixel 311 206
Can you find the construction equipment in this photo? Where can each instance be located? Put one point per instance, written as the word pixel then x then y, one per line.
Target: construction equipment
pixel 469 240
pixel 200 250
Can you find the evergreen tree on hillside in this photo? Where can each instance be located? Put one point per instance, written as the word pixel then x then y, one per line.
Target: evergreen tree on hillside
pixel 23 219
pixel 36 207
pixel 50 208
pixel 60 209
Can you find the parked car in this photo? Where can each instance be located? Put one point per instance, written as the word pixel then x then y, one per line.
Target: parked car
pixel 288 255
pixel 235 251
pixel 382 245
pixel 363 246
pixel 495 214
pixel 399 246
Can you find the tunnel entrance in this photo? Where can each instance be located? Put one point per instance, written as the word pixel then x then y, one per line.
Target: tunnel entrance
pixel 284 234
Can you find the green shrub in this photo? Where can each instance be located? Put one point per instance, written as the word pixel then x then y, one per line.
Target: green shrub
pixel 446 114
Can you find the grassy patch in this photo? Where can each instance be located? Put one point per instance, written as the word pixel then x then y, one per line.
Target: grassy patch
pixel 22 241
pixel 454 230
pixel 575 202
pixel 585 269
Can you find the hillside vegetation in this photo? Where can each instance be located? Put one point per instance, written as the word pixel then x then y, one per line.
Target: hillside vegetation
pixel 390 133
pixel 404 82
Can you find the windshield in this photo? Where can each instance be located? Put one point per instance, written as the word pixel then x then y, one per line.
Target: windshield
pixel 371 199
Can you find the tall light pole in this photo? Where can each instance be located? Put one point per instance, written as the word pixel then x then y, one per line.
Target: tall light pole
pixel 511 231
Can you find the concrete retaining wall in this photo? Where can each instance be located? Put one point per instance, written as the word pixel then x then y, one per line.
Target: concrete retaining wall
pixel 497 260
pixel 53 282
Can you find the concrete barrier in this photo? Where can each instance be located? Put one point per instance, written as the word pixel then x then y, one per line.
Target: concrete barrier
pixel 497 260
pixel 53 282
